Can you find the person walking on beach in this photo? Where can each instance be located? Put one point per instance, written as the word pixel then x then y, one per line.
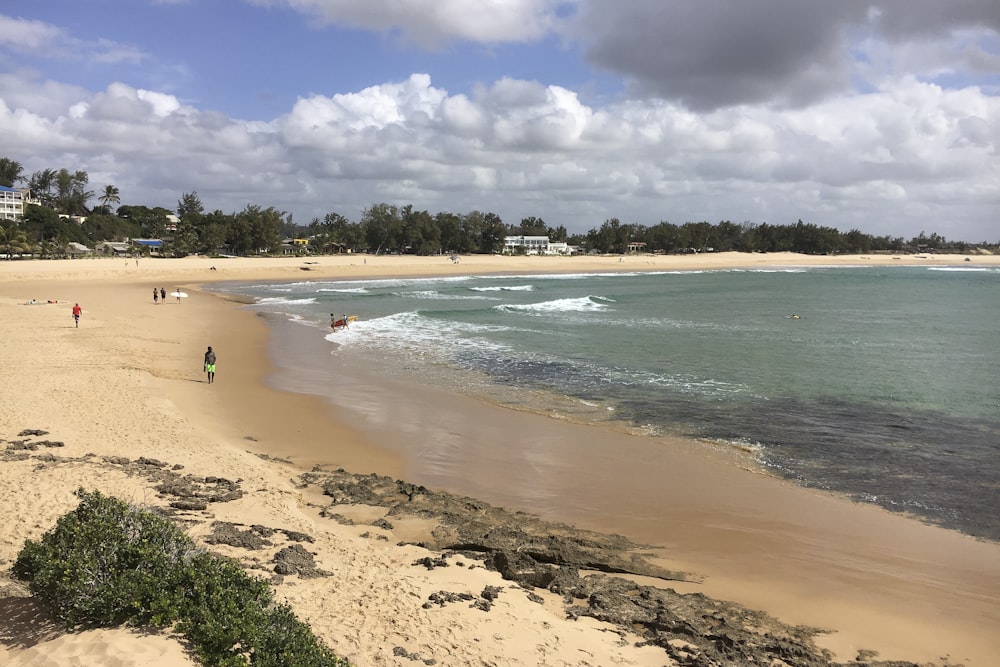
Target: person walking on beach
pixel 77 312
pixel 156 295
pixel 210 364
pixel 163 295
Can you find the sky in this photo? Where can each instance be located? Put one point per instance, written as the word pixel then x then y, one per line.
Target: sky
pixel 879 115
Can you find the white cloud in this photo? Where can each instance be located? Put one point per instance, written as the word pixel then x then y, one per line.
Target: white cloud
pixel 909 156
pixel 45 40
pixel 28 36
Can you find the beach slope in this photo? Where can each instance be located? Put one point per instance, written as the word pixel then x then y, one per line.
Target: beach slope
pixel 121 404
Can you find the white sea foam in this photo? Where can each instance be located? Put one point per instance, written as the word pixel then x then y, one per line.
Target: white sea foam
pixel 572 305
pixel 504 288
pixel 413 333
pixel 283 301
pixel 441 296
pixel 964 269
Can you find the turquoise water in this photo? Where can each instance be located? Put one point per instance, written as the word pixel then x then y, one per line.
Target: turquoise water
pixel 884 388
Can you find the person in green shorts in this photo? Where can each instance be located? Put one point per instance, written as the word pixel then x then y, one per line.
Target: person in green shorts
pixel 210 364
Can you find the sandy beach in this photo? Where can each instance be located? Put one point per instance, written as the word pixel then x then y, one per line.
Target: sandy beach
pixel 128 382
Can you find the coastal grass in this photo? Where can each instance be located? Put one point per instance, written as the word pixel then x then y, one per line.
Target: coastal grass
pixel 108 563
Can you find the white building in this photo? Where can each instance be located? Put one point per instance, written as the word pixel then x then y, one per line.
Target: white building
pixel 13 201
pixel 530 245
pixel 534 245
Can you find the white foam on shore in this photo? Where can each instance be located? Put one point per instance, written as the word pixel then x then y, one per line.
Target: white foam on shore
pixel 283 301
pixel 964 269
pixel 505 288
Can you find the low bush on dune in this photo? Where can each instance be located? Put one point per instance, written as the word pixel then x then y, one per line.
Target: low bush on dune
pixel 107 563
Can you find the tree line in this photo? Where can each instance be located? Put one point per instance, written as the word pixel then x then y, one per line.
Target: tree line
pixel 383 228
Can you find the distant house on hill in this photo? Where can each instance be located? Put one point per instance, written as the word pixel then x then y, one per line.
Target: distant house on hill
pixel 13 201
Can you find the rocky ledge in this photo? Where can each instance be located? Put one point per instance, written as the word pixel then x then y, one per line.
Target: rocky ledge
pixel 590 571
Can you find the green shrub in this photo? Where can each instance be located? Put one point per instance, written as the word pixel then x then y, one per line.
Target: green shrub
pixel 107 563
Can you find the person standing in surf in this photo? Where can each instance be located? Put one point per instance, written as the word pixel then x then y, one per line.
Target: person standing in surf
pixel 210 364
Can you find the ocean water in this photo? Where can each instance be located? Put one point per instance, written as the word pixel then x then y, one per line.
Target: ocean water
pixel 886 387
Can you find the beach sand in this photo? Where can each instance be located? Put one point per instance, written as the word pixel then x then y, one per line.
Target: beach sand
pixel 128 383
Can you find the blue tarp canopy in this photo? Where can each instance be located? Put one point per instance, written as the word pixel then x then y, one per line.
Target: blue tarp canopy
pixel 152 243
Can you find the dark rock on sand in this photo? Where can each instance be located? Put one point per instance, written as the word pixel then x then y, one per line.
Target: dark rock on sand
pixel 189 505
pixel 294 559
pixel 230 534
pixel 582 566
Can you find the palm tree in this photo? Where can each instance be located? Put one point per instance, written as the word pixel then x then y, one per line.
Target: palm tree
pixel 13 240
pixel 110 196
pixel 10 172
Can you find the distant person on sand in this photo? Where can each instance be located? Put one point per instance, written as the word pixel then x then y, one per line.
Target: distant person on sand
pixel 77 312
pixel 163 295
pixel 156 295
pixel 178 293
pixel 210 364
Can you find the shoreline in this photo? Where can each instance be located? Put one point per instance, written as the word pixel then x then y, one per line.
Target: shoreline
pixel 879 598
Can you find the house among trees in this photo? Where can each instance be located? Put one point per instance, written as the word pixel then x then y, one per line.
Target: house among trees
pixel 534 245
pixel 153 245
pixel 74 249
pixel 114 248
pixel 13 201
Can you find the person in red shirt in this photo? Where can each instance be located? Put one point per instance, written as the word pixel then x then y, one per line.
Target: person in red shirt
pixel 77 312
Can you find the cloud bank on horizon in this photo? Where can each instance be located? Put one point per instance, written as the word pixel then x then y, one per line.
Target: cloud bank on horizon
pixel 881 115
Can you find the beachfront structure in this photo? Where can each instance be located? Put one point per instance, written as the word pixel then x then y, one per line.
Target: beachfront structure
pixel 534 245
pixel 74 249
pixel 116 248
pixel 154 246
pixel 13 201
